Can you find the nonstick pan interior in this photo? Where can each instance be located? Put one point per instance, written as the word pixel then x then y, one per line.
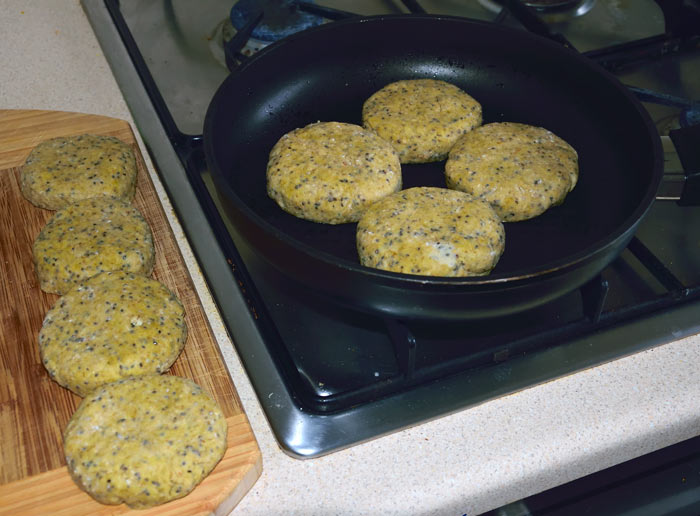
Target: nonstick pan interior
pixel 326 74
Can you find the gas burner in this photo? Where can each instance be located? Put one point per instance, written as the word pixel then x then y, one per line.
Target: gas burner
pixel 280 18
pixel 551 11
pixel 263 22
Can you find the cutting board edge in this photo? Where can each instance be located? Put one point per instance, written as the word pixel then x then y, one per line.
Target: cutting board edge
pixel 230 485
pixel 25 121
pixel 68 499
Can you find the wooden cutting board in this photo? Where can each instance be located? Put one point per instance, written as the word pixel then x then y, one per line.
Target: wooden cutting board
pixel 34 410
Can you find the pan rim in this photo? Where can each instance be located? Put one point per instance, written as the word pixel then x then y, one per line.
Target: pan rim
pixel 495 280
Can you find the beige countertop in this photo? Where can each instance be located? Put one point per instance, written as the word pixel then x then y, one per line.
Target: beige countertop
pixel 464 463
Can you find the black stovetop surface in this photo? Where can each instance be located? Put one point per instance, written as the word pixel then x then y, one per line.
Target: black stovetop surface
pixel 345 376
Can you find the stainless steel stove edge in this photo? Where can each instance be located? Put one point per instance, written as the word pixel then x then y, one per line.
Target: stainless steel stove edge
pixel 190 215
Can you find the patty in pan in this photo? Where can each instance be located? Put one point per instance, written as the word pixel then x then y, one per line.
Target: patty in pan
pixel 432 232
pixel 329 172
pixel 421 118
pixel 521 170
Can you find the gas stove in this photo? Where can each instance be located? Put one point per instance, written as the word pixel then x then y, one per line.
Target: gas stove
pixel 328 377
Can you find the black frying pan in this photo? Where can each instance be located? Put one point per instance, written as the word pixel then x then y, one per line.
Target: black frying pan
pixel 327 72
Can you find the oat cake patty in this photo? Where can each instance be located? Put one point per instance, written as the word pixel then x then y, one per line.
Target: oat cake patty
pixel 422 118
pixel 144 441
pixel 329 172
pixel 61 171
pixel 432 232
pixel 521 170
pixel 88 237
pixel 114 325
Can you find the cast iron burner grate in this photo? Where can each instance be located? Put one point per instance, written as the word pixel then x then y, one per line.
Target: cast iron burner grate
pixel 372 357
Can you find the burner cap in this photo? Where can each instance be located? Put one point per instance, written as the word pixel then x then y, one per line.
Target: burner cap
pixel 281 18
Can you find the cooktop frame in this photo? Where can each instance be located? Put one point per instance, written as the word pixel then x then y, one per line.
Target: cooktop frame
pixel 306 434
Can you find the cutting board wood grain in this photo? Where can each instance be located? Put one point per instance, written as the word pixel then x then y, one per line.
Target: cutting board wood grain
pixel 34 410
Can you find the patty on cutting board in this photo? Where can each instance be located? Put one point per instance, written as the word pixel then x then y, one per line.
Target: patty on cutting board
pixel 431 231
pixel 330 172
pixel 421 118
pixel 64 170
pixel 88 237
pixel 521 170
pixel 144 441
pixel 112 326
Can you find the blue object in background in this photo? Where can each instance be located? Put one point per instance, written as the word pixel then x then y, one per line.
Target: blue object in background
pixel 281 18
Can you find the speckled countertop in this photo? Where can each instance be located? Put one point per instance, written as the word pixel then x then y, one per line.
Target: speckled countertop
pixel 464 463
